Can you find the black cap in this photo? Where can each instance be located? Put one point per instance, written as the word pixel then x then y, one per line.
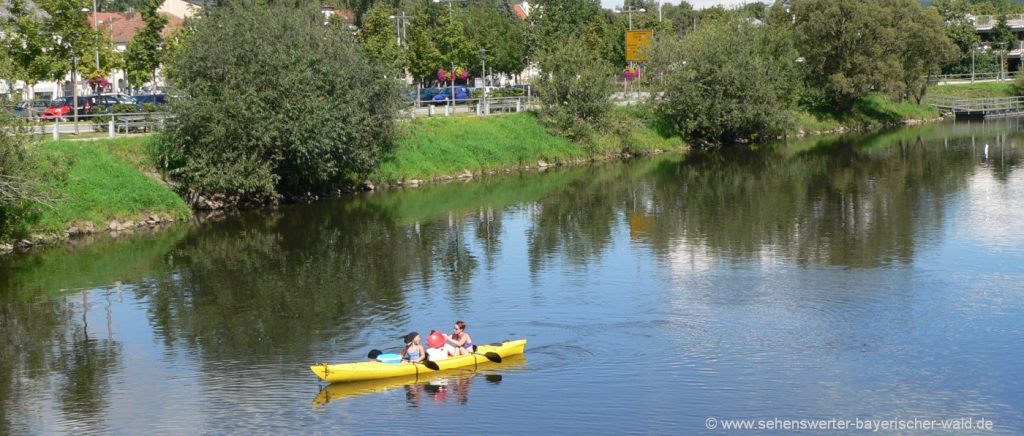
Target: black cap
pixel 409 337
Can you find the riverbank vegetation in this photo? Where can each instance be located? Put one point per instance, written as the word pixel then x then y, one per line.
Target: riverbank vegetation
pixel 87 184
pixel 292 108
pixel 450 146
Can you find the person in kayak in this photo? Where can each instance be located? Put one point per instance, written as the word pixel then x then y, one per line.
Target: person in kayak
pixel 438 349
pixel 413 351
pixel 460 341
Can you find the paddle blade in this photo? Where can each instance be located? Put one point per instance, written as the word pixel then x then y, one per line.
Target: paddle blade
pixel 373 354
pixel 431 365
pixel 493 357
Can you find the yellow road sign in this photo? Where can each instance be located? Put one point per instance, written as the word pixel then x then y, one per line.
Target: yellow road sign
pixel 638 43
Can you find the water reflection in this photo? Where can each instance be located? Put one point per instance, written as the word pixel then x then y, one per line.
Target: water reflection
pixel 445 387
pixel 790 268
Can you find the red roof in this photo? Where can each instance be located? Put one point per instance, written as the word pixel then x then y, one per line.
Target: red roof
pixel 344 14
pixel 124 26
pixel 520 12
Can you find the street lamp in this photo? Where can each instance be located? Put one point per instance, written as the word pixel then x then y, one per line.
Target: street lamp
pixel 629 12
pixel 400 22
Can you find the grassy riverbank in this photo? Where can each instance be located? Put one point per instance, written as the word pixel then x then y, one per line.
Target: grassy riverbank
pixel 90 183
pixel 975 90
pixel 447 146
pixel 870 112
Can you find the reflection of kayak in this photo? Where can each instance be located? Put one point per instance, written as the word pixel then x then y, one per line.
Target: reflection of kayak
pixel 338 391
pixel 344 372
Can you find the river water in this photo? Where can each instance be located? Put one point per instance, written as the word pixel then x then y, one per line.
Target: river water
pixel 862 278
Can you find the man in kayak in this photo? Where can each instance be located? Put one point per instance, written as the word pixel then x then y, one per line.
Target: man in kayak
pixel 413 351
pixel 459 340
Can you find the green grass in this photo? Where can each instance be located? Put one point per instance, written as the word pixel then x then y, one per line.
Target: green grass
pixel 99 181
pixel 445 146
pixel 975 90
pixel 872 111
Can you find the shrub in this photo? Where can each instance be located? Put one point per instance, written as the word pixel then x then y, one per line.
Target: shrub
pixel 729 81
pixel 574 86
pixel 272 101
pixel 19 191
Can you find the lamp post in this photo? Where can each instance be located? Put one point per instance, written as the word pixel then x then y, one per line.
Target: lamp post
pixel 400 22
pixel 629 13
pixel 96 26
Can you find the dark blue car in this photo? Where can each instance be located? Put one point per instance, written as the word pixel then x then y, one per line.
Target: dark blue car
pixel 461 94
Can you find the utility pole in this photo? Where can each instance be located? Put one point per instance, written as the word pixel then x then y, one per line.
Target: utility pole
pixel 96 27
pixel 401 21
pixel 483 67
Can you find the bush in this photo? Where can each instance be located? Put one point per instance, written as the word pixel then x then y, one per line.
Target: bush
pixel 19 191
pixel 574 86
pixel 728 82
pixel 274 102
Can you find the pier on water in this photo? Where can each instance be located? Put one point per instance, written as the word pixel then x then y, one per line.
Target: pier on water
pixel 978 107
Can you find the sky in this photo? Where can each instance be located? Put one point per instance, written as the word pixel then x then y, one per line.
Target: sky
pixel 697 4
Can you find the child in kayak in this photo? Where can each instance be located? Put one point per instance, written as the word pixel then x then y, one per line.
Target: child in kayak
pixel 413 351
pixel 437 350
pixel 459 341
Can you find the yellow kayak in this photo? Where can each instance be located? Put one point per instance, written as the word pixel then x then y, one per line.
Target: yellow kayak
pixel 339 391
pixel 347 372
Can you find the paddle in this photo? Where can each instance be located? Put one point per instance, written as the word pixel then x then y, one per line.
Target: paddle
pixel 492 356
pixel 374 354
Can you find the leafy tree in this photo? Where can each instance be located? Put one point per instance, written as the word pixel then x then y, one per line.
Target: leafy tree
pixel 73 38
pixel 921 46
pixel 274 102
pixel 143 55
pixel 456 50
pixel 553 22
pixel 574 86
pixel 423 56
pixel 379 38
pixel 844 43
pixel 729 81
pixel 503 36
pixel 28 43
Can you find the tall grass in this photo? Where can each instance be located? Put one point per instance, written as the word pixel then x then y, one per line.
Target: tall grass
pixel 445 146
pixel 975 90
pixel 99 181
pixel 871 111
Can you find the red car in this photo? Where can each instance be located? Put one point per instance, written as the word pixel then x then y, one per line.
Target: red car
pixel 60 109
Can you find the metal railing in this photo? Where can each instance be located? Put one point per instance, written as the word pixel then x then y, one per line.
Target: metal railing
pixel 989 21
pixel 112 124
pixel 476 106
pixel 948 79
pixel 986 107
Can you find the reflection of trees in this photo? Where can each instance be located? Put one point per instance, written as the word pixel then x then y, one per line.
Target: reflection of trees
pixel 834 204
pixel 268 280
pixel 42 338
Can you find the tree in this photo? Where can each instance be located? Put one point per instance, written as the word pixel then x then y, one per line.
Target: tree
pixel 423 56
pixel 379 38
pixel 922 46
pixel 574 86
pixel 143 55
pixel 456 50
pixel 845 43
pixel 274 102
pixel 729 81
pixel 28 43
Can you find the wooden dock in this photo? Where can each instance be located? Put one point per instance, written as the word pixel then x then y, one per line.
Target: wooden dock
pixel 978 107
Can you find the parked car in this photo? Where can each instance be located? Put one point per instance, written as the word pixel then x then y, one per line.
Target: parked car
pixel 30 109
pixel 426 95
pixel 60 109
pixel 105 102
pixel 461 94
pixel 158 100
